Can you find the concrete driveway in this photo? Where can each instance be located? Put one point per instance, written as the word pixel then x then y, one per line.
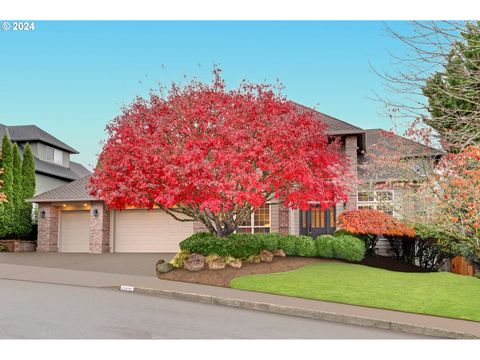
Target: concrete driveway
pixel 139 264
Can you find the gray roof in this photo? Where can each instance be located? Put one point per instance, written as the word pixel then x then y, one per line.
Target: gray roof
pixel 25 133
pixel 73 191
pixel 390 142
pixel 336 127
pixel 74 172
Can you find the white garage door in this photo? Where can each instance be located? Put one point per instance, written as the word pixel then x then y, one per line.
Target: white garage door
pixel 74 231
pixel 149 231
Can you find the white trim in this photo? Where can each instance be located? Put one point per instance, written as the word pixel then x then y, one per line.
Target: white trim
pixel 252 221
pixel 374 204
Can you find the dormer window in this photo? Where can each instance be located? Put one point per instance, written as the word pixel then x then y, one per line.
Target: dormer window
pixel 54 155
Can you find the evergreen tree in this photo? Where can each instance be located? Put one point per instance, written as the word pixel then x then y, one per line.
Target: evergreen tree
pixel 453 93
pixel 17 195
pixel 6 163
pixel 28 190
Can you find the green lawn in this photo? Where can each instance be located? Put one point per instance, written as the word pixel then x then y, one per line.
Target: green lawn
pixel 441 294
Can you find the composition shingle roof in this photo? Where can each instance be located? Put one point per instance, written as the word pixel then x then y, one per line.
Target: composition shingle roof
pixel 334 126
pixel 74 172
pixel 390 141
pixel 379 141
pixel 73 191
pixel 23 133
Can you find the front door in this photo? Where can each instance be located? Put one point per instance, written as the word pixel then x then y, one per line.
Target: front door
pixel 317 221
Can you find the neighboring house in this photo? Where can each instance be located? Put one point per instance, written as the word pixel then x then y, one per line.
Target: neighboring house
pixel 53 167
pixel 70 220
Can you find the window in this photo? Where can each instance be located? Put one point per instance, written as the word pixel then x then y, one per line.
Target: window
pixel 381 200
pixel 259 221
pixel 54 155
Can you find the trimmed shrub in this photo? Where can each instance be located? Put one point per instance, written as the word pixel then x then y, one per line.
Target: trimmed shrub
pixel 349 247
pixel 326 246
pixel 270 241
pixel 288 244
pixel 240 246
pixel 305 246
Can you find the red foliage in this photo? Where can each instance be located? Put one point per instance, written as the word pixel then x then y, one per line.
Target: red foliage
pixel 207 148
pixel 373 222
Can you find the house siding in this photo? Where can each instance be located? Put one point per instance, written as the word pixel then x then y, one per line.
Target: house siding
pixel 45 183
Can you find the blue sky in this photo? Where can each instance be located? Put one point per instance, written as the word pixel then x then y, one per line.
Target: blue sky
pixel 71 78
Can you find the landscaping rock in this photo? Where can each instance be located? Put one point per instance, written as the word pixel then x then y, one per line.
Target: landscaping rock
pixel 266 256
pixel 194 262
pixel 279 253
pixel 237 263
pixel 217 264
pixel 163 267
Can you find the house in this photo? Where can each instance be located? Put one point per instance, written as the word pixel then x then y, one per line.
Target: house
pixel 53 167
pixel 71 220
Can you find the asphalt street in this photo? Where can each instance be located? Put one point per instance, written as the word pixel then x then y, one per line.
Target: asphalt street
pixel 46 311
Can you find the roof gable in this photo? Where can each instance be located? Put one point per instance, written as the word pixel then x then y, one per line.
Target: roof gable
pixel 24 133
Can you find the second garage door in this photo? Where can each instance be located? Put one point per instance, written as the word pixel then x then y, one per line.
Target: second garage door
pixel 148 231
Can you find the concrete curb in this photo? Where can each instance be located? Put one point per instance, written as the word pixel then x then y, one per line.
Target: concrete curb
pixel 306 313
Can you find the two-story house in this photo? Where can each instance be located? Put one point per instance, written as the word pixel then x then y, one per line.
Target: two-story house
pixel 71 220
pixel 53 167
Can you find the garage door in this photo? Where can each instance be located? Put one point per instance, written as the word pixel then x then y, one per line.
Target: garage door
pixel 74 231
pixel 149 231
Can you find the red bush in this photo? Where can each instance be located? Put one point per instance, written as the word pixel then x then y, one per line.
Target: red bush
pixel 373 222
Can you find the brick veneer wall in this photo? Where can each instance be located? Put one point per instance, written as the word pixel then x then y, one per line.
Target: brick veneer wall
pixel 47 228
pixel 351 150
pixel 99 235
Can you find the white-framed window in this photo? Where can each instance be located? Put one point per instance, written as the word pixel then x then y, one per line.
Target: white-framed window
pixel 378 200
pixel 54 155
pixel 259 221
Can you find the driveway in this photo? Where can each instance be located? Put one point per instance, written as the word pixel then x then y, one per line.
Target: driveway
pixel 138 264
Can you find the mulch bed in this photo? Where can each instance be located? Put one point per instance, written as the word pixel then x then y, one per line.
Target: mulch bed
pixel 388 263
pixel 224 276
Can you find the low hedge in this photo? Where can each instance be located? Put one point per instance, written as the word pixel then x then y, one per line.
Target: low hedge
pixel 343 246
pixel 243 246
pixel 305 246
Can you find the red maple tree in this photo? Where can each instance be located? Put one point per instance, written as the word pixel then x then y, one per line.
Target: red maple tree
pixel 206 153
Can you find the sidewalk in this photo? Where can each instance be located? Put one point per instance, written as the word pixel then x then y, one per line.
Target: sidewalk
pixel 349 314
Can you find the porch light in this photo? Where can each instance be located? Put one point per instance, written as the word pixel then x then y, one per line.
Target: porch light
pixel 42 214
pixel 95 212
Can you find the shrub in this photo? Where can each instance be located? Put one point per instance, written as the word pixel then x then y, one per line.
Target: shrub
pixel 288 244
pixel 270 241
pixel 3 248
pixel 240 246
pixel 254 259
pixel 179 259
pixel 349 247
pixel 430 248
pixel 305 246
pixel 326 246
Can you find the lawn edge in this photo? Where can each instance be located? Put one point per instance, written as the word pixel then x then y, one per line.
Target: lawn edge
pixel 306 313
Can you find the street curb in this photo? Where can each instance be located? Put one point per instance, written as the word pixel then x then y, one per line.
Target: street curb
pixel 307 313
